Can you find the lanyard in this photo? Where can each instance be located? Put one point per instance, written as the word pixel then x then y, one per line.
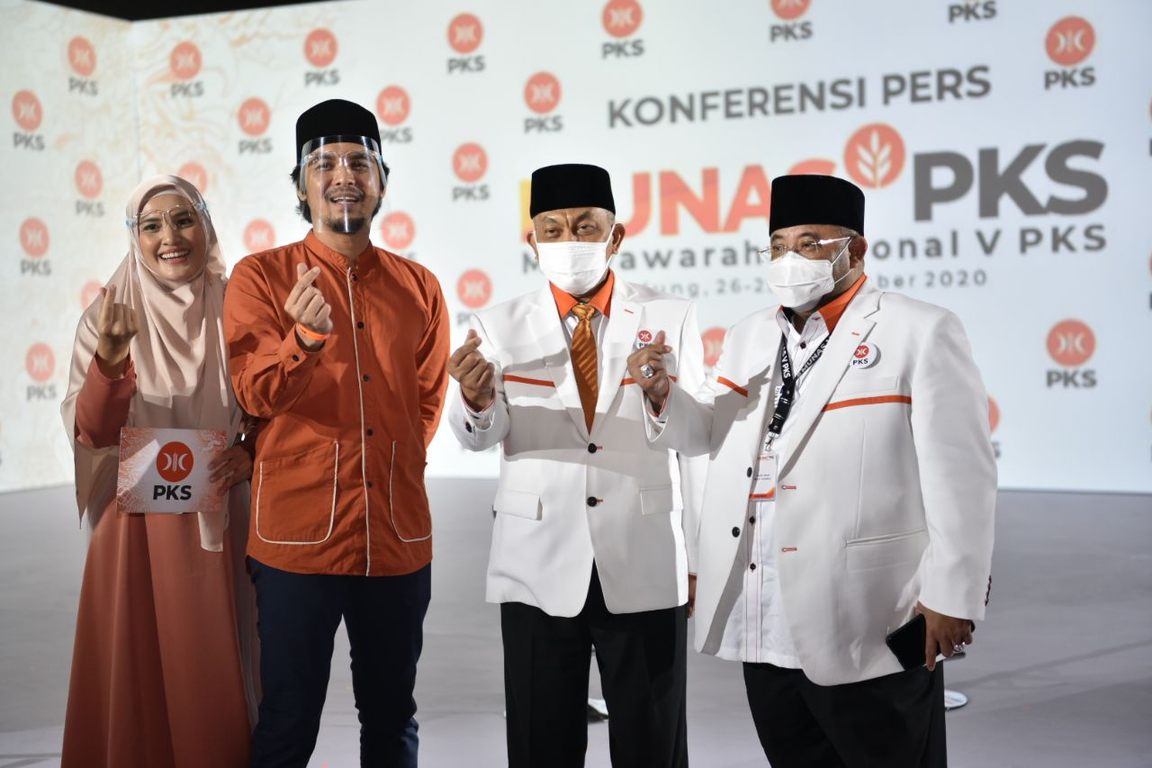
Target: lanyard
pixel 788 385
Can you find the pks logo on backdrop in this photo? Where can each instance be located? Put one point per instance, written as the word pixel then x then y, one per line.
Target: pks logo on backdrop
pixel 474 289
pixel 28 114
pixel 465 33
pixel 972 10
pixel 713 340
pixel 40 363
pixel 1071 344
pixel 254 117
pixel 621 20
pixel 1069 42
pixel 470 163
pixel 34 241
pixel 874 155
pixel 82 60
pixel 789 27
pixel 398 231
pixel 542 95
pixel 89 183
pixel 259 236
pixel 185 62
pixel 320 49
pixel 196 175
pixel 392 107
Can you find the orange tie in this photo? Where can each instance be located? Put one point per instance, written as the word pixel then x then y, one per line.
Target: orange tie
pixel 584 360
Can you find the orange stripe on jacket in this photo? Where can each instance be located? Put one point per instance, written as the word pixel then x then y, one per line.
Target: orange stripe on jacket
pixel 869 401
pixel 526 380
pixel 735 387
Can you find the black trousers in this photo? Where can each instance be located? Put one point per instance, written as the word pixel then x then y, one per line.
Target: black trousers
pixel 298 618
pixel 895 721
pixel 642 671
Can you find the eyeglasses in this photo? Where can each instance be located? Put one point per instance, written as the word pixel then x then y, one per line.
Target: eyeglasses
pixel 178 218
pixel 358 162
pixel 807 247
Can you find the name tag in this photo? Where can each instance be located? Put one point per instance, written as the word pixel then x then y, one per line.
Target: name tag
pixel 764 482
pixel 166 470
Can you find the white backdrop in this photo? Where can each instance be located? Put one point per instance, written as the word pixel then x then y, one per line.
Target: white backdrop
pixel 1004 148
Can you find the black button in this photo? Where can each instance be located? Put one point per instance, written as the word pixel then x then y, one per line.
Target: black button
pixel 359 323
pixel 370 433
pixel 591 448
pixel 735 531
pixel 803 345
pixel 296 358
pixel 592 501
pixel 370 485
pixel 752 567
pixel 749 471
pixel 752 520
pixel 354 278
pixel 365 377
pixel 467 427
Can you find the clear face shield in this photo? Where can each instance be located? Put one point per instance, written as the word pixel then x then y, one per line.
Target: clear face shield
pixel 348 172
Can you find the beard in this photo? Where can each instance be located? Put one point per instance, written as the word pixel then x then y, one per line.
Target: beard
pixel 345 225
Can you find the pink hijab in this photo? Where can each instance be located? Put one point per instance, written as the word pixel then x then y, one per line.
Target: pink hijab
pixel 180 358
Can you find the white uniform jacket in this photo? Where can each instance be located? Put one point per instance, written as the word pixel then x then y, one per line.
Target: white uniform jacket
pixel 886 489
pixel 567 497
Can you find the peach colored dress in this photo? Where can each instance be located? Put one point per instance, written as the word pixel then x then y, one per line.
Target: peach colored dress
pixel 165 659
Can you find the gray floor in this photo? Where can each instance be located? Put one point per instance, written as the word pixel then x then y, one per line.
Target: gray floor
pixel 1060 674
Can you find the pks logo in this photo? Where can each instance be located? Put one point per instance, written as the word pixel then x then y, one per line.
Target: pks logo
pixel 713 339
pixel 320 48
pixel 89 181
pixel 542 95
pixel 40 363
pixel 254 117
pixel 972 10
pixel 175 462
pixel 196 175
pixel 874 155
pixel 259 236
pixel 465 33
pixel 392 107
pixel 622 17
pixel 470 162
pixel 81 56
pixel 474 289
pixel 645 337
pixel 185 60
pixel 398 230
pixel 34 237
pixel 1071 344
pixel 791 29
pixel 26 110
pixel 1069 42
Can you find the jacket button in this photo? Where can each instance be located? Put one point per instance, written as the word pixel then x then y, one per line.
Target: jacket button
pixel 355 278
pixel 749 471
pixel 752 519
pixel 370 485
pixel 592 501
pixel 365 377
pixel 591 448
pixel 359 323
pixel 370 433
pixel 752 567
pixel 735 531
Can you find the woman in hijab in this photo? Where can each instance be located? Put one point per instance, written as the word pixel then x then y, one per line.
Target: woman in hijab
pixel 165 661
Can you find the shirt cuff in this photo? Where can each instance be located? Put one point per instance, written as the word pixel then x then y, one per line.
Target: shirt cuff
pixel 481 419
pixel 294 356
pixel 660 417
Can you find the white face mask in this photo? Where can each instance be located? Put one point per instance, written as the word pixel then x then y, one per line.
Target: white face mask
pixel 573 266
pixel 800 283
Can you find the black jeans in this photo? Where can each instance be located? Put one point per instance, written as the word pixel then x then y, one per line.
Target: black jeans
pixel 298 617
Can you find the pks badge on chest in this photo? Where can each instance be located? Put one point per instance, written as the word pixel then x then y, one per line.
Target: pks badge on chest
pixel 866 355
pixel 644 338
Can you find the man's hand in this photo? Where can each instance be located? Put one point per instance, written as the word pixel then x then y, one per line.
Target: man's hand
pixel 691 594
pixel 116 325
pixel 230 467
pixel 476 375
pixel 650 360
pixel 942 634
pixel 306 305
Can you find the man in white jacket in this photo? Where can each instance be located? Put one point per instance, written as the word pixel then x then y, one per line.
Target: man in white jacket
pixel 591 545
pixel 851 487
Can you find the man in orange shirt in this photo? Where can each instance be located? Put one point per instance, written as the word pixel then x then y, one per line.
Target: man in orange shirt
pixel 342 348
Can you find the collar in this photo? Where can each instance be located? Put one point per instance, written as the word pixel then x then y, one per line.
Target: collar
pixel 337 259
pixel 830 313
pixel 601 300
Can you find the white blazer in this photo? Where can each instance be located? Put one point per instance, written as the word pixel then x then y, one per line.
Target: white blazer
pixel 886 488
pixel 567 497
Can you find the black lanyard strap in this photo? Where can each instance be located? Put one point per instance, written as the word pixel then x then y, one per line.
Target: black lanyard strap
pixel 788 385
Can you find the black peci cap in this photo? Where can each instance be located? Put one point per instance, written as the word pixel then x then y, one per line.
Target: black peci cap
pixel 573 185
pixel 815 199
pixel 335 117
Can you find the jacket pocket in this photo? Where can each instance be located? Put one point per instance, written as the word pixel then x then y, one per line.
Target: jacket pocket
pixel 517 504
pixel 859 382
pixel 885 551
pixel 407 499
pixel 653 501
pixel 296 497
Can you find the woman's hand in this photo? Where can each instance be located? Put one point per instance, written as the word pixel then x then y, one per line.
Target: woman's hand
pixel 116 325
pixel 231 467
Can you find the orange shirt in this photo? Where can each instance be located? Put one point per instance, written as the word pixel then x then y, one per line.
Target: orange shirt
pixel 602 299
pixel 338 481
